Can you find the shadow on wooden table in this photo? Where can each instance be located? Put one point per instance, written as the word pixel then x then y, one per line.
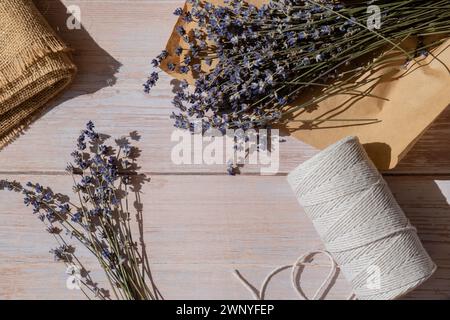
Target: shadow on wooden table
pixel 96 67
pixel 428 209
pixel 426 165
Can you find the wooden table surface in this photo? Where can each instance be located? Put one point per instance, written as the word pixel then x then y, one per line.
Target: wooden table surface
pixel 200 224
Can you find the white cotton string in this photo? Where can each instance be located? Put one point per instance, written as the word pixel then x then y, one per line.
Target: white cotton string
pixel 361 224
pixel 296 270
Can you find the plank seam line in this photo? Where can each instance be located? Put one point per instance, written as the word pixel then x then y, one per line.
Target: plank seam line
pixel 193 173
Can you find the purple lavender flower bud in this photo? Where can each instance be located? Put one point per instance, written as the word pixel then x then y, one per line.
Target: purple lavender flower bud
pixel 180 30
pixel 127 150
pixel 151 81
pixel 38 188
pixel 187 59
pixel 178 51
pixel 178 11
pixel 163 55
pixel 90 125
pixel 77 217
pixel 188 17
pixel 184 84
pixel 64 208
pixel 106 253
pixel 184 69
pixel 171 66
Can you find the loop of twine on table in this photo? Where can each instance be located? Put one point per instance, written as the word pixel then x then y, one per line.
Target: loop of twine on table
pixel 296 270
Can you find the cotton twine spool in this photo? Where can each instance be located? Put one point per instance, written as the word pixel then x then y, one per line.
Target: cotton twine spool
pixel 364 230
pixel 359 221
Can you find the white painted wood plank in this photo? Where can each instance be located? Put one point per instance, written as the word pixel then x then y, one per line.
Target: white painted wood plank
pixel 199 228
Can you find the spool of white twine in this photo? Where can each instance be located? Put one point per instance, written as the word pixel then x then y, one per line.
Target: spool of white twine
pixel 361 224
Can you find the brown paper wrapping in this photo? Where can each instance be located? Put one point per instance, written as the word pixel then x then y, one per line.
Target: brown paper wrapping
pixel 401 106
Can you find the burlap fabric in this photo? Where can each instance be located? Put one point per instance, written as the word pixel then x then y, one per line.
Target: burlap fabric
pixel 35 66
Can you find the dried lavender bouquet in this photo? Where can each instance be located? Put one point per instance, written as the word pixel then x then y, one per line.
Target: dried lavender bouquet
pixel 104 178
pixel 259 66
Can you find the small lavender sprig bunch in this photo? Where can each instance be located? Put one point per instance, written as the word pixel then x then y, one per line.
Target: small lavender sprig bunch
pixel 251 63
pixel 104 177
